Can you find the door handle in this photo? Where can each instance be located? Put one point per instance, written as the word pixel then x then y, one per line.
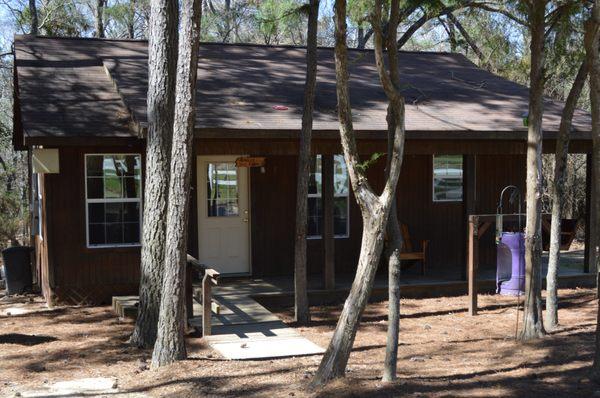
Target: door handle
pixel 245 220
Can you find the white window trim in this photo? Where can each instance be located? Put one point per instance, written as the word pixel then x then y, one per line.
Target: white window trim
pixel 433 184
pixel 320 196
pixel 112 200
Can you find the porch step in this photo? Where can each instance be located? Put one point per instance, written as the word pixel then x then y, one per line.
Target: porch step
pixel 125 306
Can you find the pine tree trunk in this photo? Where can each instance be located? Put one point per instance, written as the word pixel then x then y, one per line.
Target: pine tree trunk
pixel 375 212
pixel 532 318
pixel 162 58
pixel 34 18
pixel 170 342
pixel 592 41
pixel 302 313
pixel 100 18
pixel 558 196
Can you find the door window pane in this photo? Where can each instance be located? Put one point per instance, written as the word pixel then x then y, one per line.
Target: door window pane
pixel 222 190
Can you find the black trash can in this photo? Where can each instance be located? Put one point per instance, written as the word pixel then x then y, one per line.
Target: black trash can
pixel 17 269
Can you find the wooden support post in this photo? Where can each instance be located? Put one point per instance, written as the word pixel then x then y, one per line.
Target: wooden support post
pixel 473 263
pixel 328 234
pixel 189 291
pixel 206 305
pixel 469 200
pixel 588 262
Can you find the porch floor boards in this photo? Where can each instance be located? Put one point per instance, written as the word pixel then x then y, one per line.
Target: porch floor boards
pixel 439 282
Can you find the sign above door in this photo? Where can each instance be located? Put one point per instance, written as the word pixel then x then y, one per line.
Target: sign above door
pixel 250 162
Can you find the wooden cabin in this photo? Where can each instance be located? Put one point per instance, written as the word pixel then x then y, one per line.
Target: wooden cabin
pixel 80 111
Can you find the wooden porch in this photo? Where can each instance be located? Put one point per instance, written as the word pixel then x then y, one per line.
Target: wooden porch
pixel 280 290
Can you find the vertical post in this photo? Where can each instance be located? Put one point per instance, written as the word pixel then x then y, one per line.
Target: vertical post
pixel 206 305
pixel 189 292
pixel 469 200
pixel 588 261
pixel 473 262
pixel 328 234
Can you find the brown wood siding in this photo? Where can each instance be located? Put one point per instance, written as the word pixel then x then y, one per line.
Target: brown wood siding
pixel 273 204
pixel 81 274
pixel 75 273
pixel 273 207
pixel 494 172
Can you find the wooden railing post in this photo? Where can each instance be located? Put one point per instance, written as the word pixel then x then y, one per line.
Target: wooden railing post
pixel 473 262
pixel 206 305
pixel 210 277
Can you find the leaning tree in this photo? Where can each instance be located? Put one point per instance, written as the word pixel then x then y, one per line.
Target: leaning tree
pixel 374 210
pixel 390 81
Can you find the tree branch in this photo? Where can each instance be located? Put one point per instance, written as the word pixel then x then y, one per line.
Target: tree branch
pixel 506 13
pixel 469 40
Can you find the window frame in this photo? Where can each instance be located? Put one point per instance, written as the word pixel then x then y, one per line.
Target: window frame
pixel 112 200
pixel 433 198
pixel 320 196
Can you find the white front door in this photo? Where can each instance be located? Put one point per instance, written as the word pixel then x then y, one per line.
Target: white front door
pixel 223 218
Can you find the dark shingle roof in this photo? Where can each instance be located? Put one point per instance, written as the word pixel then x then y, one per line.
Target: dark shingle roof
pixel 97 88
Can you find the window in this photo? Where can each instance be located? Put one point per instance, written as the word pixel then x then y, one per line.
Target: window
pixel 222 190
pixel 340 199
pixel 113 199
pixel 447 178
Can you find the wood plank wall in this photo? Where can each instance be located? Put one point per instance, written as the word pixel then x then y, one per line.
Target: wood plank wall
pixel 81 274
pixel 92 275
pixel 273 206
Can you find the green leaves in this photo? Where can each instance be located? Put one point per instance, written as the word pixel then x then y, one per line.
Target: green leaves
pixel 364 166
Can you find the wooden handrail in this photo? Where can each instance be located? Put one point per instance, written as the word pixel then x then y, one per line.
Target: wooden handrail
pixel 210 277
pixel 203 268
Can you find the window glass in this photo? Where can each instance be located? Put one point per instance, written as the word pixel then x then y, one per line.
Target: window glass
pixel 113 199
pixel 222 190
pixel 341 197
pixel 340 176
pixel 447 178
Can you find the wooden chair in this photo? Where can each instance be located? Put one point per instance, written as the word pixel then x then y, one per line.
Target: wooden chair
pixel 408 253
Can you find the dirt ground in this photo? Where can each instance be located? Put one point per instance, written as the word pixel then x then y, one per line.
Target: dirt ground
pixel 443 353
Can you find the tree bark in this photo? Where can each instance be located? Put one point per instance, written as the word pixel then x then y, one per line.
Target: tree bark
pixel 302 313
pixel 592 40
pixel 170 341
pixel 390 80
pixel 34 18
pixel 131 20
pixel 374 209
pixel 100 18
pixel 532 317
pixel 162 58
pixel 558 194
pixel 360 37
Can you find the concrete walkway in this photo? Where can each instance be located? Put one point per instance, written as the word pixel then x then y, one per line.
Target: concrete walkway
pixel 245 330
